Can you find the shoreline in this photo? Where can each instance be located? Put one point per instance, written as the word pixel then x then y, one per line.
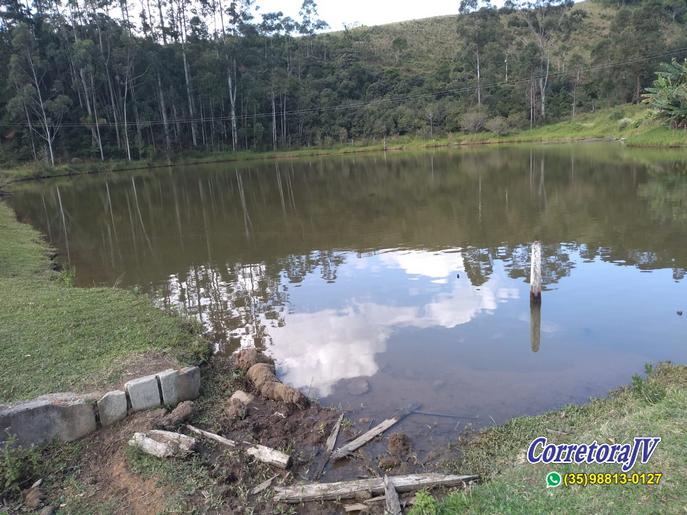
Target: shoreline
pixel 589 127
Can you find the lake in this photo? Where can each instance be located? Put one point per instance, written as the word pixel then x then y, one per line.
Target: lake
pixel 378 280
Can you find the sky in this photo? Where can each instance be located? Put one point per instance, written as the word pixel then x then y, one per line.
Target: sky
pixel 365 12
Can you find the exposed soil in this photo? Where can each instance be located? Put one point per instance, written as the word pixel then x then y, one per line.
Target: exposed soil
pixel 218 479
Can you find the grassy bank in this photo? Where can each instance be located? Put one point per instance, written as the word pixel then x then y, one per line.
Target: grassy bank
pixel 656 406
pixel 54 337
pixel 631 124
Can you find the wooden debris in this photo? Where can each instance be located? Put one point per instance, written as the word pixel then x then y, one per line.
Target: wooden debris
pixel 353 445
pixel 263 486
pixel 211 436
pixel 267 455
pixel 393 504
pixel 329 447
pixel 444 415
pixel 331 441
pixel 355 507
pixel 163 444
pixel 259 452
pixel 375 486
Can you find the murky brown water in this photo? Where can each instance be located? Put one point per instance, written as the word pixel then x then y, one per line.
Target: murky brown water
pixel 376 281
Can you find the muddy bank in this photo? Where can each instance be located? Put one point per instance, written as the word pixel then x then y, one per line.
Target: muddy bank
pixel 241 400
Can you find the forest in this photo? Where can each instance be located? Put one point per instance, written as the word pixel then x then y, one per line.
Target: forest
pixel 104 79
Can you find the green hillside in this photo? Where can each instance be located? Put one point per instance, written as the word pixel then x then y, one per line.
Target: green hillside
pixel 85 84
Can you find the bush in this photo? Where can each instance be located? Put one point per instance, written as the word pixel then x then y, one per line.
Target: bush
pixel 473 121
pixel 624 123
pixel 498 125
pixel 616 115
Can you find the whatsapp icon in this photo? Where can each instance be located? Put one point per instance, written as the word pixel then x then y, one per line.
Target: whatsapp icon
pixel 553 480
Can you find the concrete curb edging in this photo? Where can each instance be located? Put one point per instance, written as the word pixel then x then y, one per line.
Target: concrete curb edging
pixel 68 416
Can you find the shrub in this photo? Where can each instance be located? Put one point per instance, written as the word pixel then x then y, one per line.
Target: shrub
pixel 616 115
pixel 473 121
pixel 498 125
pixel 624 123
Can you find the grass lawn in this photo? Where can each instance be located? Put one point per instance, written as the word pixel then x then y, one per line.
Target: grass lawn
pixel 54 337
pixel 656 406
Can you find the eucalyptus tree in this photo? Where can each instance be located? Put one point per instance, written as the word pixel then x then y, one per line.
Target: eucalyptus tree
pixel 38 98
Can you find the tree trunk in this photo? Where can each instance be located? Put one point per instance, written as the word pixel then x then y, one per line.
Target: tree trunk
pixel 231 80
pixel 274 122
pixel 163 112
pixel 479 83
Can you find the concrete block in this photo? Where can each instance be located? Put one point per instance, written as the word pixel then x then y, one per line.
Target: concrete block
pixel 181 385
pixel 62 416
pixel 143 393
pixel 112 407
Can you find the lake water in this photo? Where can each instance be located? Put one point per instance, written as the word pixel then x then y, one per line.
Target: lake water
pixel 376 281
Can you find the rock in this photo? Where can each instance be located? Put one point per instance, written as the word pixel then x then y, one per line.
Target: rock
pixel 33 497
pixel 236 409
pixel 388 462
pixel 64 416
pixel 177 416
pixel 179 385
pixel 143 393
pixel 399 444
pixel 163 444
pixel 112 407
pixel 242 397
pixel 358 386
pixel 48 510
pixel 439 384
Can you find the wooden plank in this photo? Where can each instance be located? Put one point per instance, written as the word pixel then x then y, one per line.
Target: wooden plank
pixel 331 441
pixel 263 486
pixel 212 436
pixel 267 455
pixel 353 445
pixel 375 486
pixel 393 504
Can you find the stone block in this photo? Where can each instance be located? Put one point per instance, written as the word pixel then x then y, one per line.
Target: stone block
pixel 143 393
pixel 179 385
pixel 112 407
pixel 62 416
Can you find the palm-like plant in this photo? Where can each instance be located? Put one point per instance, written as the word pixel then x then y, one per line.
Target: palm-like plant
pixel 668 95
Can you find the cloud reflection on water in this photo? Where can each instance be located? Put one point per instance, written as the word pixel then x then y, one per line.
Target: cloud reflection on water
pixel 317 349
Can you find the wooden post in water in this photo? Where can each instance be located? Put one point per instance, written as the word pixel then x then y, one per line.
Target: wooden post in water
pixel 535 326
pixel 535 273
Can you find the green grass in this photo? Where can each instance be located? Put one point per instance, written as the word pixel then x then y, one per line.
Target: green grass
pixel 656 406
pixel 54 337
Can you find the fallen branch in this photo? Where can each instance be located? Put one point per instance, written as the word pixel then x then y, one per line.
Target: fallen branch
pixel 263 486
pixel 375 486
pixel 393 504
pixel 353 445
pixel 445 415
pixel 259 452
pixel 331 441
pixel 163 444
